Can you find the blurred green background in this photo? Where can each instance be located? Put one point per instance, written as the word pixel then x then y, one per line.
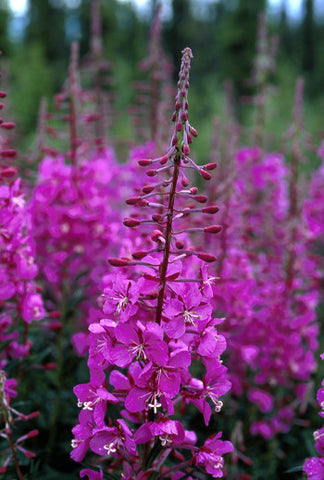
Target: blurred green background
pixel 222 35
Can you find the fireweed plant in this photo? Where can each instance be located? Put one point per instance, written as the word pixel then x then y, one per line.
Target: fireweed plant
pixel 314 466
pixel 158 325
pixel 74 223
pixel 20 305
pixel 73 217
pixel 268 286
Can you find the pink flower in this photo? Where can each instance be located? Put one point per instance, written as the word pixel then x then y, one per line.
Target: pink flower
pixel 210 455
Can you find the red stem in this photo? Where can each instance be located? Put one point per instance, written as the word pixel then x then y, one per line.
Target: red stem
pixel 168 236
pixel 14 456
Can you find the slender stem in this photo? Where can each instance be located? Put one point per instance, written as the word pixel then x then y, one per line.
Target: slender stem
pixel 293 213
pixel 73 95
pixel 168 237
pixel 14 456
pixel 4 408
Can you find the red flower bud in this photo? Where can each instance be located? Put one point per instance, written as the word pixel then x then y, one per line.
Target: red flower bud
pixel 29 454
pixel 193 131
pixel 131 222
pixel 117 262
pixel 145 162
pixel 8 125
pixel 179 245
pixel 206 257
pixel 139 255
pixel 184 181
pixel 201 198
pixel 3 94
pixel 8 171
pixel 164 159
pixel 151 173
pixel 212 209
pixel 194 190
pixel 156 234
pixel 49 366
pixel 157 217
pixel 205 175
pixel 213 229
pixel 10 153
pixel 147 189
pixel 210 166
pixel 132 200
pixel 186 149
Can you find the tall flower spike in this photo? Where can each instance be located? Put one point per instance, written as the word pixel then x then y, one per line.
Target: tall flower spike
pixel 174 162
pixel 159 321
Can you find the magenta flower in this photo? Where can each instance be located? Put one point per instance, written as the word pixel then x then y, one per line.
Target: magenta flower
pixel 121 298
pixel 92 475
pixel 32 307
pixel 210 455
pixel 314 468
pixel 169 432
pixel 107 440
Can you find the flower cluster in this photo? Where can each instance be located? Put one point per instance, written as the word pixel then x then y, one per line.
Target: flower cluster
pixel 158 324
pixel 268 285
pixel 20 300
pixel 314 467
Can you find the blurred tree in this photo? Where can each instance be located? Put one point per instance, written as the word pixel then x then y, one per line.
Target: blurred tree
pixel 47 26
pixel 5 16
pixel 237 38
pixel 308 36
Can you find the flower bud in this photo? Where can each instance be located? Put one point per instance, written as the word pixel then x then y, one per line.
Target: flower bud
pixel 211 209
pixel 164 159
pixel 210 166
pixel 205 175
pixel 8 125
pixel 132 200
pixel 206 257
pixel 184 181
pixel 201 198
pixel 9 153
pixel 156 234
pixel 186 149
pixel 139 255
pixel 117 262
pixel 131 222
pixel 145 162
pixel 193 131
pixel 213 229
pixel 8 171
pixel 147 189
pixel 157 217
